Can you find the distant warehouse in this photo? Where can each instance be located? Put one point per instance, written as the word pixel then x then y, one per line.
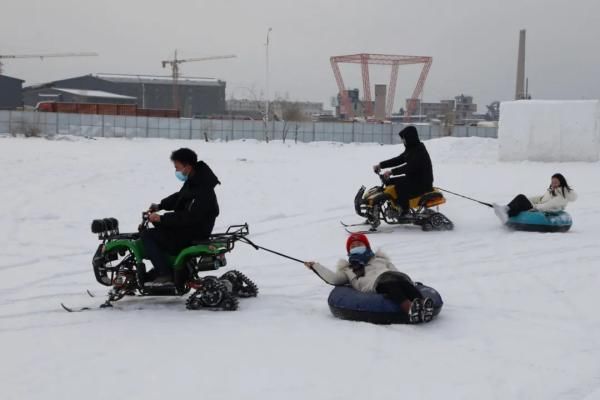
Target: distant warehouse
pixel 197 96
pixel 10 93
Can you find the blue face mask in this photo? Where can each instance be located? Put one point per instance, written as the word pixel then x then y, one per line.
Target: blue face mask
pixel 358 259
pixel 358 250
pixel 181 176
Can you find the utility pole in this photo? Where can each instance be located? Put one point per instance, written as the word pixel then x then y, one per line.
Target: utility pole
pixel 267 86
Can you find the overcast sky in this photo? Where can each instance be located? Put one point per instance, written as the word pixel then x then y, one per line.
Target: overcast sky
pixel 473 43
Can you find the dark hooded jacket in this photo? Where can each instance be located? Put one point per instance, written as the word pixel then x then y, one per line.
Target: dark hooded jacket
pixel 194 207
pixel 414 163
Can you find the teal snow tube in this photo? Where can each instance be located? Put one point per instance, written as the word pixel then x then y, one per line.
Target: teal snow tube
pixel 538 221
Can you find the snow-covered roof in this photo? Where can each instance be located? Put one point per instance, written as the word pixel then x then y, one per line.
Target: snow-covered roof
pixel 158 79
pixel 94 93
pixel 10 78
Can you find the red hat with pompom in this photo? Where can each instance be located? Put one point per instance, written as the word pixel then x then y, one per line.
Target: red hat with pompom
pixel 357 237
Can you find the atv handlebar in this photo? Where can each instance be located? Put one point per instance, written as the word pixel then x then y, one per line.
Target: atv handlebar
pixel 384 180
pixel 145 220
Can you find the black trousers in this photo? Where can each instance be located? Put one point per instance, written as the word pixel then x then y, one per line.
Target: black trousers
pixel 403 191
pixel 519 204
pixel 157 246
pixel 398 290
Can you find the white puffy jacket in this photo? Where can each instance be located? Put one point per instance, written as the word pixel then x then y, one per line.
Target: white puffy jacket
pixel 556 202
pixel 377 265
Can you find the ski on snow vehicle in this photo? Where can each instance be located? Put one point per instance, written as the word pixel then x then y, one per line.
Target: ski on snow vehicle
pixel 119 263
pixel 380 203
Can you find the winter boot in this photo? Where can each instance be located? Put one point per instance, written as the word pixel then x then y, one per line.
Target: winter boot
pixel 501 212
pixel 404 216
pixel 415 312
pixel 427 310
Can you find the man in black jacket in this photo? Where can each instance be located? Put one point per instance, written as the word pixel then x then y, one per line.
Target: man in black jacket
pixel 193 212
pixel 414 164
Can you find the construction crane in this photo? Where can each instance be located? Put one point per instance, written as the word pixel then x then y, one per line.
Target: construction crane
pixel 174 63
pixel 42 56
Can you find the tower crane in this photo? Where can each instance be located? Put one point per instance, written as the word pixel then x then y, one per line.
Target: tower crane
pixel 42 56
pixel 174 63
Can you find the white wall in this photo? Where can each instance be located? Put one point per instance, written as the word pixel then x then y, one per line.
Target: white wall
pixel 544 130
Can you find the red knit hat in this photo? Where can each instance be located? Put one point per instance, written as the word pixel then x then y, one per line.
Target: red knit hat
pixel 357 237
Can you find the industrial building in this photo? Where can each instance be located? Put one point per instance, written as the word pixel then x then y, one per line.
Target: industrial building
pixel 278 109
pixel 244 108
pixel 464 108
pixel 461 110
pixel 431 110
pixel 300 110
pixel 355 104
pixel 11 96
pixel 197 96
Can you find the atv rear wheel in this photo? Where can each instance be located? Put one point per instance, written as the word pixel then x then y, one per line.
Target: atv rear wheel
pixel 440 222
pixel 242 286
pixel 213 294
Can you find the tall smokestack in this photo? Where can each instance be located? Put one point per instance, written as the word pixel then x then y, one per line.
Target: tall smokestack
pixel 520 92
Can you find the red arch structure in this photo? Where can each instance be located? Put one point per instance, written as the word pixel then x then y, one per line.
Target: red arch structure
pixel 365 60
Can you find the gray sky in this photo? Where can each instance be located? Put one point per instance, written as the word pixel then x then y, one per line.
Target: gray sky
pixel 473 43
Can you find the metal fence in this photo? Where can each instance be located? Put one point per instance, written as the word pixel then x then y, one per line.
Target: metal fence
pixel 31 123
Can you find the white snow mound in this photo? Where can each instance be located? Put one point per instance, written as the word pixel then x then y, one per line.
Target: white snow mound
pixel 540 130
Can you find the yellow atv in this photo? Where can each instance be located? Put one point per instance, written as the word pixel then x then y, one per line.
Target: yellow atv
pixel 380 203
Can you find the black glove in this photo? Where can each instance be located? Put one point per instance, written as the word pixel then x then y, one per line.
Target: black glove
pixel 154 207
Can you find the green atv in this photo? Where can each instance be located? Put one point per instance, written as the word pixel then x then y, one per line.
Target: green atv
pixel 119 263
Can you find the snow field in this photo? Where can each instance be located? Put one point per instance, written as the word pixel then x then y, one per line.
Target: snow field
pixel 519 319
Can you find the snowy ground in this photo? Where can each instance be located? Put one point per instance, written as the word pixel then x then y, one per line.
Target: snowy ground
pixel 519 321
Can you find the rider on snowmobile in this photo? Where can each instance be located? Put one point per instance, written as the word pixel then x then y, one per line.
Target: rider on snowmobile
pixel 415 166
pixel 193 212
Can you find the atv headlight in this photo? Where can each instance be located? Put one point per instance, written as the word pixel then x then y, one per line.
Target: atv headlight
pixel 98 226
pixel 114 224
pixel 108 223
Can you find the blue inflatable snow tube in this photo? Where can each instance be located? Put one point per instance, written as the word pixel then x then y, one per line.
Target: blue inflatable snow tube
pixel 538 221
pixel 348 303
